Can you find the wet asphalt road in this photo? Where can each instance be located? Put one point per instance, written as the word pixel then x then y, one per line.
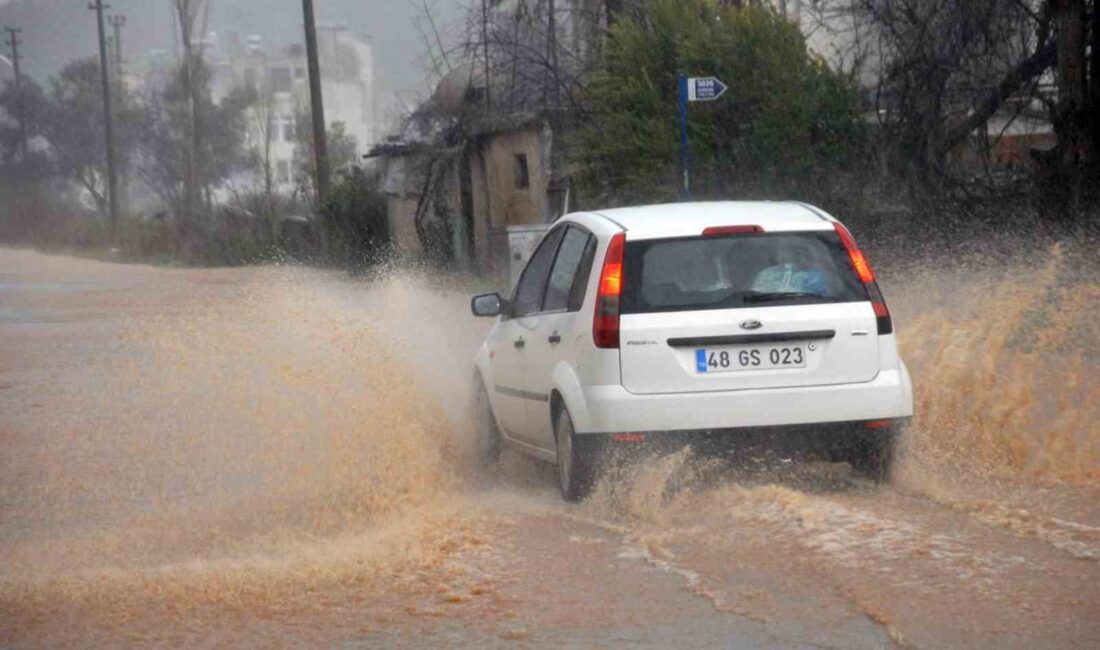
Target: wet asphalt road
pixel 260 457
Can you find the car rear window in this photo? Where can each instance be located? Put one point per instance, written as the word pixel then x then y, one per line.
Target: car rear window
pixel 730 272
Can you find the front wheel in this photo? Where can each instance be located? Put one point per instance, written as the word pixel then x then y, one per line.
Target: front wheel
pixel 574 471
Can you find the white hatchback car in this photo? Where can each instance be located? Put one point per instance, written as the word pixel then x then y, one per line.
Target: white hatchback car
pixel 722 325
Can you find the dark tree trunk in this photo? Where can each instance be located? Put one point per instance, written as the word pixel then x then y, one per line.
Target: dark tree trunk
pixel 1094 93
pixel 1069 118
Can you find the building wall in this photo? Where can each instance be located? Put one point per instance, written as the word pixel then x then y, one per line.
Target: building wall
pixel 494 174
pixel 347 71
pixel 401 211
pixel 496 201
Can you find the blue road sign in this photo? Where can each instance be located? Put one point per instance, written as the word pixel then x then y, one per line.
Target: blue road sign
pixel 705 89
pixel 693 89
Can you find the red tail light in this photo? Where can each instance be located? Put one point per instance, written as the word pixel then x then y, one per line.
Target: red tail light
pixel 867 277
pixel 605 323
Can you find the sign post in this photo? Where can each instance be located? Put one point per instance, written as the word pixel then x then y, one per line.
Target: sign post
pixel 693 89
pixel 685 156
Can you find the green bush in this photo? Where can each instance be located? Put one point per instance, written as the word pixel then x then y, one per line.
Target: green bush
pixel 786 127
pixel 355 220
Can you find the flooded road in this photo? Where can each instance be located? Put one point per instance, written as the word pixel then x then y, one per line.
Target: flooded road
pixel 282 457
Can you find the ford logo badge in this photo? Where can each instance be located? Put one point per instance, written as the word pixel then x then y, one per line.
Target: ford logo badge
pixel 751 324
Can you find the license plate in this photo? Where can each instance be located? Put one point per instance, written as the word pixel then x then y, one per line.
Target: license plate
pixel 708 360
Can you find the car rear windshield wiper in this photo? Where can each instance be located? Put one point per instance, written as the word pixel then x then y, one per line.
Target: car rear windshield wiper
pixel 784 295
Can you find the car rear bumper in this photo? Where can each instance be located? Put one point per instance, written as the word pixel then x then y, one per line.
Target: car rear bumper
pixel 832 441
pixel 611 409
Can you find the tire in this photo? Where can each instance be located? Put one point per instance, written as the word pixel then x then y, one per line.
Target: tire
pixel 874 456
pixel 489 443
pixel 574 470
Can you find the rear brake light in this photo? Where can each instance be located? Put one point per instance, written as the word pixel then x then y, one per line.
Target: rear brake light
pixel 605 322
pixel 867 277
pixel 718 231
pixel 862 267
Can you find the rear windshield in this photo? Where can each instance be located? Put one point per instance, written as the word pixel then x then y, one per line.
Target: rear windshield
pixel 697 273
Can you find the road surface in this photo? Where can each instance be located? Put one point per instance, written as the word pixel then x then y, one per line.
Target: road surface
pixel 281 457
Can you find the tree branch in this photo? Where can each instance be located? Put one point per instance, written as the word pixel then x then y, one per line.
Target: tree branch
pixel 1028 69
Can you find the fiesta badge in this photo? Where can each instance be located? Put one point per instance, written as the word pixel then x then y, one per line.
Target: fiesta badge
pixel 751 324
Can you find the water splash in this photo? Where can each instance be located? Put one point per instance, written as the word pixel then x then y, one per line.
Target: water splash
pixel 253 436
pixel 1006 367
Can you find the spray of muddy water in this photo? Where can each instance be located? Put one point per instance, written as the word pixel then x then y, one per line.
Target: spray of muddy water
pixel 253 438
pixel 1006 366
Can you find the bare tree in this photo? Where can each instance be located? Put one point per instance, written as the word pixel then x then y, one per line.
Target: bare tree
pixel 263 132
pixel 436 56
pixel 942 69
pixel 540 52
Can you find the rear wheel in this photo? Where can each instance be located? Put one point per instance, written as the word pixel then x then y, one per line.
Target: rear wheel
pixel 489 443
pixel 874 456
pixel 574 471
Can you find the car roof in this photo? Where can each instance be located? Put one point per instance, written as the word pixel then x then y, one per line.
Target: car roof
pixel 685 219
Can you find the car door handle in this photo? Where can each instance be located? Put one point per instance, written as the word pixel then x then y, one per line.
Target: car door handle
pixel 554 339
pixel 520 343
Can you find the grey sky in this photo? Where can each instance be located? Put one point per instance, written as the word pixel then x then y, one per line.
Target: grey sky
pixel 58 31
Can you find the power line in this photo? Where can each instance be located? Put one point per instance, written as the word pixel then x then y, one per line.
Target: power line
pixel 14 42
pixel 108 117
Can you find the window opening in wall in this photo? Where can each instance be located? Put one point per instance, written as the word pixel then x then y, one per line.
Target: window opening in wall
pixel 522 175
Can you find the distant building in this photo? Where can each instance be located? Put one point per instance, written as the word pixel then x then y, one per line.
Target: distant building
pixel 7 70
pixel 7 75
pixel 280 79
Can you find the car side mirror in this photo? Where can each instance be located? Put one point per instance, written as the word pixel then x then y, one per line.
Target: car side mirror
pixel 487 305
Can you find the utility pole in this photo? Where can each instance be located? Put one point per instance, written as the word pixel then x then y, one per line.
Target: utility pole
pixel 14 43
pixel 117 22
pixel 108 118
pixel 317 106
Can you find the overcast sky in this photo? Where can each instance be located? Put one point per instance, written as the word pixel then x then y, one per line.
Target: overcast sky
pixel 58 31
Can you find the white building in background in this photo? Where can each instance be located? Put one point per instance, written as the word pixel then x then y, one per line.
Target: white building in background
pixel 7 75
pixel 7 70
pixel 282 82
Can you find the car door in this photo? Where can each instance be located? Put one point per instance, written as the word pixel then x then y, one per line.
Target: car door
pixel 555 330
pixel 508 346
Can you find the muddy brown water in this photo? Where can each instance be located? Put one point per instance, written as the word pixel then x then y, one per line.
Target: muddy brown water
pixel 281 457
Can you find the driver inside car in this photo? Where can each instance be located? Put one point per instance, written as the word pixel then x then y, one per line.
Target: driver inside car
pixel 793 272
